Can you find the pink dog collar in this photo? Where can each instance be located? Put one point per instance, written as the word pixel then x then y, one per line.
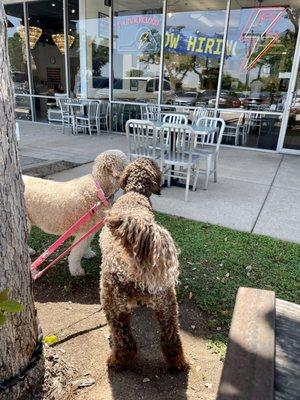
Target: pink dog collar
pixel 100 193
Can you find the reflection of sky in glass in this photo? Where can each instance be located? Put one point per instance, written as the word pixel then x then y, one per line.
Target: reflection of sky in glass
pixel 206 22
pixel 16 22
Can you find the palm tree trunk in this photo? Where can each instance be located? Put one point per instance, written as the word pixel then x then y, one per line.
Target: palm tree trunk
pixel 19 334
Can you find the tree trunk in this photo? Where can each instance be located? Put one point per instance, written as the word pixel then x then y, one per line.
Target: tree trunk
pixel 18 335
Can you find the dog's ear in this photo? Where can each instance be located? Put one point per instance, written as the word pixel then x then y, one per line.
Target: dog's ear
pixel 156 180
pixel 124 178
pixel 107 169
pixel 156 186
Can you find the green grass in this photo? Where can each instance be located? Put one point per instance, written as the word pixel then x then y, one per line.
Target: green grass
pixel 214 262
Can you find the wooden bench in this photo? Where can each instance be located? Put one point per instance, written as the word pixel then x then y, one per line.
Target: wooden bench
pixel 263 354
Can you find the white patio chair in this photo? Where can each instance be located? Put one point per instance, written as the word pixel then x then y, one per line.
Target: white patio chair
pixel 88 121
pixel 67 117
pixel 142 139
pixel 175 119
pixel 53 109
pixel 116 113
pixel 198 113
pixel 236 131
pixel 103 116
pixel 211 150
pixel 152 112
pixel 178 160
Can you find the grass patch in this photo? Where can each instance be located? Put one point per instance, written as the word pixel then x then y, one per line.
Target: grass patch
pixel 214 262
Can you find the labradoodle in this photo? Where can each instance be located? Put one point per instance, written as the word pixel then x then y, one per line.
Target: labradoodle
pixel 139 266
pixel 55 206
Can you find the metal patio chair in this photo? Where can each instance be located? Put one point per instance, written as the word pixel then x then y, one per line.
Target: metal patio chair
pixel 236 131
pixel 178 159
pixel 151 112
pixel 67 117
pixel 175 119
pixel 102 118
pixel 142 139
pixel 198 113
pixel 210 151
pixel 88 121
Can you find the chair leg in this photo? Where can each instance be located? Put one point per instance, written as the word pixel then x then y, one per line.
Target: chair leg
pixel 208 168
pixel 169 178
pixel 187 183
pixel 215 169
pixel 196 176
pixel 63 124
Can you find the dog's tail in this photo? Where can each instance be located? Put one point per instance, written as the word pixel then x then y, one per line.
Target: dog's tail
pixel 150 245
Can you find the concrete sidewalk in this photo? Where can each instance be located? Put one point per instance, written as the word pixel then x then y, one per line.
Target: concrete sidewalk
pixel 256 192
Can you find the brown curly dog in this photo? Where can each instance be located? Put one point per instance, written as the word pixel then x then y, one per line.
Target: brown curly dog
pixel 139 267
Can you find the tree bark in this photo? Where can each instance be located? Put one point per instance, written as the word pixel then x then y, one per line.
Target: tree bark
pixel 18 335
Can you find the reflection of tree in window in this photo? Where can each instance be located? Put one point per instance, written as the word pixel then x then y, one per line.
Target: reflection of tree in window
pixel 100 56
pixel 16 50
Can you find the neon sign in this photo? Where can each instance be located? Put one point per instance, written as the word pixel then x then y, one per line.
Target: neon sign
pixel 260 30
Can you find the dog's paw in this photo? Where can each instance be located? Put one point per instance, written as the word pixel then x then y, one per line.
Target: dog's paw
pixel 76 270
pixel 89 254
pixel 32 252
pixel 114 362
pixel 178 365
pixel 121 361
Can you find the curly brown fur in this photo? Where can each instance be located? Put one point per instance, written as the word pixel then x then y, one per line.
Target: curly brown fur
pixel 139 266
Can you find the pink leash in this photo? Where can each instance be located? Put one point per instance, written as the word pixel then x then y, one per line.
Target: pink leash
pixel 74 228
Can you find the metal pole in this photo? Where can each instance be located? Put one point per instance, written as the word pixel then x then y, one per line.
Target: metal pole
pixel 28 57
pixel 111 67
pixel 66 40
pixel 162 52
pixel 219 87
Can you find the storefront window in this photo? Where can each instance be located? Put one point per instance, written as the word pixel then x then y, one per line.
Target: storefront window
pixel 46 35
pixel 23 108
pixel 194 39
pixel 17 48
pixel 292 138
pixel 136 52
pixel 89 56
pixel 257 68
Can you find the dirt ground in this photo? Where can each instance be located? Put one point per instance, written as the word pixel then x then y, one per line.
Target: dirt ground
pixel 83 341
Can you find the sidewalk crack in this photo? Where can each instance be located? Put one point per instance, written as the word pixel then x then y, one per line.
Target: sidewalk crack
pixel 267 195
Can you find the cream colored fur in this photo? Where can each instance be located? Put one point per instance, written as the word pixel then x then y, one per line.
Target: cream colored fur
pixel 55 206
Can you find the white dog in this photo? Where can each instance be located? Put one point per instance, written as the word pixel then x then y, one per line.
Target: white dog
pixel 55 206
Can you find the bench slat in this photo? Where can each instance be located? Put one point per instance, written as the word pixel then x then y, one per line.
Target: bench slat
pixel 248 371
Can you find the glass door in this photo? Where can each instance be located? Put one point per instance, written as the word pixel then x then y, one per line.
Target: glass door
pixel 292 136
pixel 289 140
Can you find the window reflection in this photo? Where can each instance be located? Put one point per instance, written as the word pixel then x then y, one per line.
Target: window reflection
pixel 17 48
pixel 23 108
pixel 292 138
pixel 258 69
pixel 259 130
pixel 47 48
pixel 194 39
pixel 89 56
pixel 137 42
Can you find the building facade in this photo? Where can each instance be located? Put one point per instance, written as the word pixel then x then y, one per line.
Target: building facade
pixel 238 58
